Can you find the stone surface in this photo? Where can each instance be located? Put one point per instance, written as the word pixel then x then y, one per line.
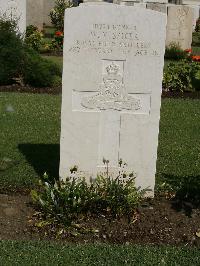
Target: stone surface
pixel 179 25
pixel 157 7
pixel 48 5
pixel 15 9
pixel 35 13
pixel 196 14
pixel 156 1
pixel 112 80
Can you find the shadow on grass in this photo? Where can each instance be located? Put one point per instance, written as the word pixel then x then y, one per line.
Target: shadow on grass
pixel 187 190
pixel 42 157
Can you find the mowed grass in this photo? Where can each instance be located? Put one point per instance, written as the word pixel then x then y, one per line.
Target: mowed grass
pixel 44 253
pixel 30 134
pixel 56 59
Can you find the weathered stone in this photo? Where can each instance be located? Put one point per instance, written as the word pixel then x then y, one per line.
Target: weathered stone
pixel 35 13
pixel 179 25
pixel 15 9
pixel 112 81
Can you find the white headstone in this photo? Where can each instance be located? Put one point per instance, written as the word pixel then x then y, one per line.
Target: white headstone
pixel 158 7
pixel 15 9
pixel 179 25
pixel 156 1
pixel 48 6
pixel 112 81
pixel 196 14
pixel 35 13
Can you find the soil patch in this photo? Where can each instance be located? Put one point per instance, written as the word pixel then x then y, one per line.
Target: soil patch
pixel 29 89
pixel 176 94
pixel 158 222
pixel 58 90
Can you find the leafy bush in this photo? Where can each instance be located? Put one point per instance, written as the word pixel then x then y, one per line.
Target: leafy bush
pixel 11 51
pixel 33 37
pixel 40 72
pixel 196 80
pixel 58 12
pixel 174 51
pixel 197 28
pixel 19 62
pixel 180 76
pixel 64 202
pixel 57 42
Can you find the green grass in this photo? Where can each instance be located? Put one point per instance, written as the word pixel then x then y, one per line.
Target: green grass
pixel 29 136
pixel 196 50
pixel 179 144
pixel 49 31
pixel 44 253
pixel 56 59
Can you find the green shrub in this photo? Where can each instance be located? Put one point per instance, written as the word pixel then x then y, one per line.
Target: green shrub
pixel 197 28
pixel 180 76
pixel 196 81
pixel 33 37
pixel 58 12
pixel 64 202
pixel 11 52
pixel 40 72
pixel 174 52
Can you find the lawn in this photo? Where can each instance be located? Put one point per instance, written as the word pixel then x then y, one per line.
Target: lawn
pixel 44 253
pixel 56 59
pixel 30 130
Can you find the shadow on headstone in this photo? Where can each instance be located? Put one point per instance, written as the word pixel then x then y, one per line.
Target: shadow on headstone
pixel 42 157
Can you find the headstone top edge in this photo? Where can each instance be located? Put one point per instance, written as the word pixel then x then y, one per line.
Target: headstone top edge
pixel 114 6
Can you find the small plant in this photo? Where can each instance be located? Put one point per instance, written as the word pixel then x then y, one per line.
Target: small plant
pixel 58 12
pixel 57 42
pixel 63 202
pixel 180 76
pixel 33 37
pixel 174 52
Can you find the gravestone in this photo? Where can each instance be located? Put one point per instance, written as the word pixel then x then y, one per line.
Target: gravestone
pixel 156 1
pixel 179 25
pixel 196 14
pixel 15 9
pixel 35 13
pixel 111 96
pixel 48 5
pixel 157 7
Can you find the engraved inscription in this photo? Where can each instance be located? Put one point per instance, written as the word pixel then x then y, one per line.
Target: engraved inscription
pixel 112 93
pixel 108 38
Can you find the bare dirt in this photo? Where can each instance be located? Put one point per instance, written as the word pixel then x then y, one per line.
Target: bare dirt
pixel 58 89
pixel 159 221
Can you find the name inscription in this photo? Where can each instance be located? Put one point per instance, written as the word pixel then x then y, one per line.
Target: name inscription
pixel 108 38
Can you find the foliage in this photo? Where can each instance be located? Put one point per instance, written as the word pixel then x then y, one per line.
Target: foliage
pixel 33 37
pixel 40 72
pixel 11 51
pixel 65 201
pixel 196 80
pixel 58 12
pixel 57 42
pixel 197 28
pixel 174 51
pixel 180 76
pixel 196 39
pixel 19 63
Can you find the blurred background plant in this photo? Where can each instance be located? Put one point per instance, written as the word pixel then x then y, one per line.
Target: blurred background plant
pixel 58 12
